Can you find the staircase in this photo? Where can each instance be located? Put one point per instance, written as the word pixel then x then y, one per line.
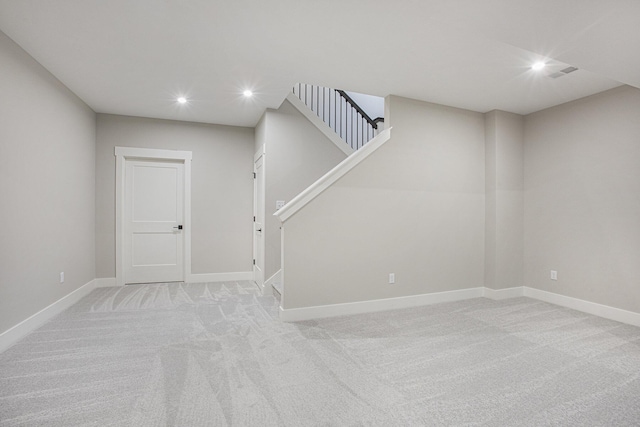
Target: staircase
pixel 341 113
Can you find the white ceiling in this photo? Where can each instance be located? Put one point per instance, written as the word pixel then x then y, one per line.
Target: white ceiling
pixel 136 57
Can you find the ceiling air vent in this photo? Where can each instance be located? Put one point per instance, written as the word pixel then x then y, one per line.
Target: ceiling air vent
pixel 563 72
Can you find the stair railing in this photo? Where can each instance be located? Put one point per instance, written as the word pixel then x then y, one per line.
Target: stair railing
pixel 340 113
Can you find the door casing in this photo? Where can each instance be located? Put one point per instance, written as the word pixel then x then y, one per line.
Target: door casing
pixel 131 153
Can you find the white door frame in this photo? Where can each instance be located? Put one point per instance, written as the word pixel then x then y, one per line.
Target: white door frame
pixel 260 153
pixel 130 153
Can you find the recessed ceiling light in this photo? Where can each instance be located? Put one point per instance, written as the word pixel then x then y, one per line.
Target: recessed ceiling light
pixel 182 100
pixel 538 66
pixel 247 93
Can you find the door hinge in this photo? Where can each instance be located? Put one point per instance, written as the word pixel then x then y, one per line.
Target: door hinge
pixel 254 262
pixel 254 218
pixel 254 175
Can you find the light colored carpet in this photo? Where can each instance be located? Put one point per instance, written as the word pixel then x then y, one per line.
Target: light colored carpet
pixel 216 354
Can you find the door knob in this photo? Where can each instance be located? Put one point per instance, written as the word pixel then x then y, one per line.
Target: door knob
pixel 178 227
pixel 259 229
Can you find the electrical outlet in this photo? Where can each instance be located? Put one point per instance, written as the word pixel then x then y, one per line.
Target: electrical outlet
pixel 62 277
pixel 392 278
pixel 554 275
pixel 279 204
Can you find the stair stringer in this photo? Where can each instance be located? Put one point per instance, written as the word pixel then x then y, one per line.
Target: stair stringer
pixel 321 125
pixel 322 184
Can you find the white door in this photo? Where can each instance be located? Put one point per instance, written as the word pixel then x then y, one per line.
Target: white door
pixel 258 219
pixel 154 221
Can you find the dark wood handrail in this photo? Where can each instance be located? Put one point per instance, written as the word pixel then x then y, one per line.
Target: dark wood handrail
pixel 357 108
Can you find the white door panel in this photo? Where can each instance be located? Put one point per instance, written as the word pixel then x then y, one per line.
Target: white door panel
pixel 156 195
pixel 153 214
pixel 150 249
pixel 258 224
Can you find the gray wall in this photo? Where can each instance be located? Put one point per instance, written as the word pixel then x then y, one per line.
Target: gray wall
pixel 260 132
pixel 47 146
pixel 582 198
pixel 221 187
pixel 297 154
pixel 504 205
pixel 415 208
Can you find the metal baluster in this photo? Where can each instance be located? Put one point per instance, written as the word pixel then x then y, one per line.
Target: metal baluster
pixel 367 137
pixel 335 108
pixel 349 126
pixel 346 123
pixel 341 115
pixel 330 105
pixel 357 130
pixel 352 128
pixel 321 105
pixel 364 124
pixel 324 106
pixel 327 108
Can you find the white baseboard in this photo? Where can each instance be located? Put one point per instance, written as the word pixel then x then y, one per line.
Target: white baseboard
pixel 268 284
pixel 193 278
pixel 605 311
pixel 500 294
pixel 19 331
pixel 220 277
pixel 22 329
pixel 317 312
pixel 105 282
